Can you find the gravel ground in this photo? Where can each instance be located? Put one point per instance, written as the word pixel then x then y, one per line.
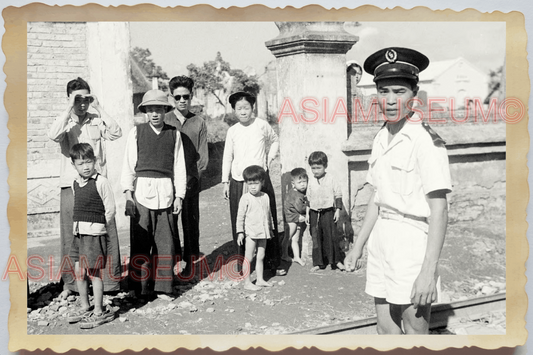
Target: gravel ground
pixel 472 264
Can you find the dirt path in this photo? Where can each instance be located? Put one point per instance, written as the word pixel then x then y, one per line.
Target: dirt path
pixel 472 263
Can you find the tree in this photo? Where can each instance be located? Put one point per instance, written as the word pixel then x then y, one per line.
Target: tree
pixel 496 77
pixel 216 75
pixel 141 56
pixel 244 82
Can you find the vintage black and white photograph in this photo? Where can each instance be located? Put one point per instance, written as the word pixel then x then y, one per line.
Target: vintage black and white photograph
pixel 266 178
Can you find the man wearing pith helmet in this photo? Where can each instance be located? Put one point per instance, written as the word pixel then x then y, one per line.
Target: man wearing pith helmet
pixel 407 213
pixel 154 181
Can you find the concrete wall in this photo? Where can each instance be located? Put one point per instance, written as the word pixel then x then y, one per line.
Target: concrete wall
pixel 108 47
pixel 57 53
pixel 477 166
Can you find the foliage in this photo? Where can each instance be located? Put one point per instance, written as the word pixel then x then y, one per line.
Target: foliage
pixel 495 82
pixel 244 82
pixel 217 74
pixel 141 56
pixel 216 129
pixel 495 79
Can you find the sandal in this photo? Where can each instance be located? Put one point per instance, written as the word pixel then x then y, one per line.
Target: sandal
pixel 93 320
pixel 78 315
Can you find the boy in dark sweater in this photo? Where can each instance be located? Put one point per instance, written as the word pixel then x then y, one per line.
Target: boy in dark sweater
pixel 154 181
pixel 94 214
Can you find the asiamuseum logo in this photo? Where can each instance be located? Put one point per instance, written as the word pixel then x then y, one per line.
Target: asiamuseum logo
pixel 311 110
pixel 139 268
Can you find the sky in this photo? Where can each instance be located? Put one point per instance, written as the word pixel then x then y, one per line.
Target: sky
pixel 174 45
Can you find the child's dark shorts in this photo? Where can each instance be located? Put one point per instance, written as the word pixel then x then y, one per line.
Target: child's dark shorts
pixel 91 249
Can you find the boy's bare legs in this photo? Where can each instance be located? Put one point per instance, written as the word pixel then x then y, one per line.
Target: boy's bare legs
pixel 81 282
pixel 295 240
pixel 98 291
pixel 247 267
pixel 259 266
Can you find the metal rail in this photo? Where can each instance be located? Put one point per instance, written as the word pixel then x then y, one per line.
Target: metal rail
pixel 441 315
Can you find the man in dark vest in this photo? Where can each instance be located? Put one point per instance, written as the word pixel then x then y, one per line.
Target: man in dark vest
pixel 154 180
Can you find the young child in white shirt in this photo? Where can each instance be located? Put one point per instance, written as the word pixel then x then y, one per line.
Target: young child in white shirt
pixel 254 222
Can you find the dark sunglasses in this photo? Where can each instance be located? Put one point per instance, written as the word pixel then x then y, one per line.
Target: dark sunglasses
pixel 185 97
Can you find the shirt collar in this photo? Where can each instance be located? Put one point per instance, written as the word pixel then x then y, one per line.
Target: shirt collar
pixel 179 116
pixel 409 131
pixel 410 127
pixel 83 182
pixel 76 118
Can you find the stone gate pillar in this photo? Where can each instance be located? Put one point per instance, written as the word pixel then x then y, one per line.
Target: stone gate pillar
pixel 108 47
pixel 311 64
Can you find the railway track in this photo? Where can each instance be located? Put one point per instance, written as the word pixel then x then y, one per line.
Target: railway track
pixel 441 315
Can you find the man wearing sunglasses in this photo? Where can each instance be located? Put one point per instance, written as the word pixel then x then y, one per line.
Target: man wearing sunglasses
pixel 194 136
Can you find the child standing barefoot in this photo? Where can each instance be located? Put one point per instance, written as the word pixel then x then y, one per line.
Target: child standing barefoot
pixel 325 203
pixel 255 222
pixel 295 209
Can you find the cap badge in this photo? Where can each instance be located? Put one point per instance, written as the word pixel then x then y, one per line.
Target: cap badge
pixel 391 56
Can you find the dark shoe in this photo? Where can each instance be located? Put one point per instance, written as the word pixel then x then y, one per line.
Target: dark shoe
pixel 93 320
pixel 78 315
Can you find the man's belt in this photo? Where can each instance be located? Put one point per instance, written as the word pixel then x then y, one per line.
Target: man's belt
pixel 419 222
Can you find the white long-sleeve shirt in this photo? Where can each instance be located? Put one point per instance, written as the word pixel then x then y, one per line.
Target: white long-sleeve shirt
pixel 67 130
pixel 153 193
pixel 245 146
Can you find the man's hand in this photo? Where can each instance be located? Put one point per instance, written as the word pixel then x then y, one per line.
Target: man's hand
pixel 336 215
pixel 424 290
pixel 226 191
pixel 301 218
pixel 353 260
pixel 71 101
pixel 130 208
pixel 94 100
pixel 177 205
pixel 240 238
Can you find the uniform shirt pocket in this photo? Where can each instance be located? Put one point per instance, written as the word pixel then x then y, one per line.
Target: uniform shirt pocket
pixel 403 178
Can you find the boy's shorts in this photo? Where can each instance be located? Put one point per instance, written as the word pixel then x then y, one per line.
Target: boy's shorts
pixel 91 248
pixel 396 250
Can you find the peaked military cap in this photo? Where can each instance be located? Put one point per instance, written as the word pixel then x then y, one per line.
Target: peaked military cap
pixel 396 62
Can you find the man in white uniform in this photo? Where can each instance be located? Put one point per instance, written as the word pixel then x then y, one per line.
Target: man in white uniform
pixel 407 214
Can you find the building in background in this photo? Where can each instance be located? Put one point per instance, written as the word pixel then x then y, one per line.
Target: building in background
pixel 454 78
